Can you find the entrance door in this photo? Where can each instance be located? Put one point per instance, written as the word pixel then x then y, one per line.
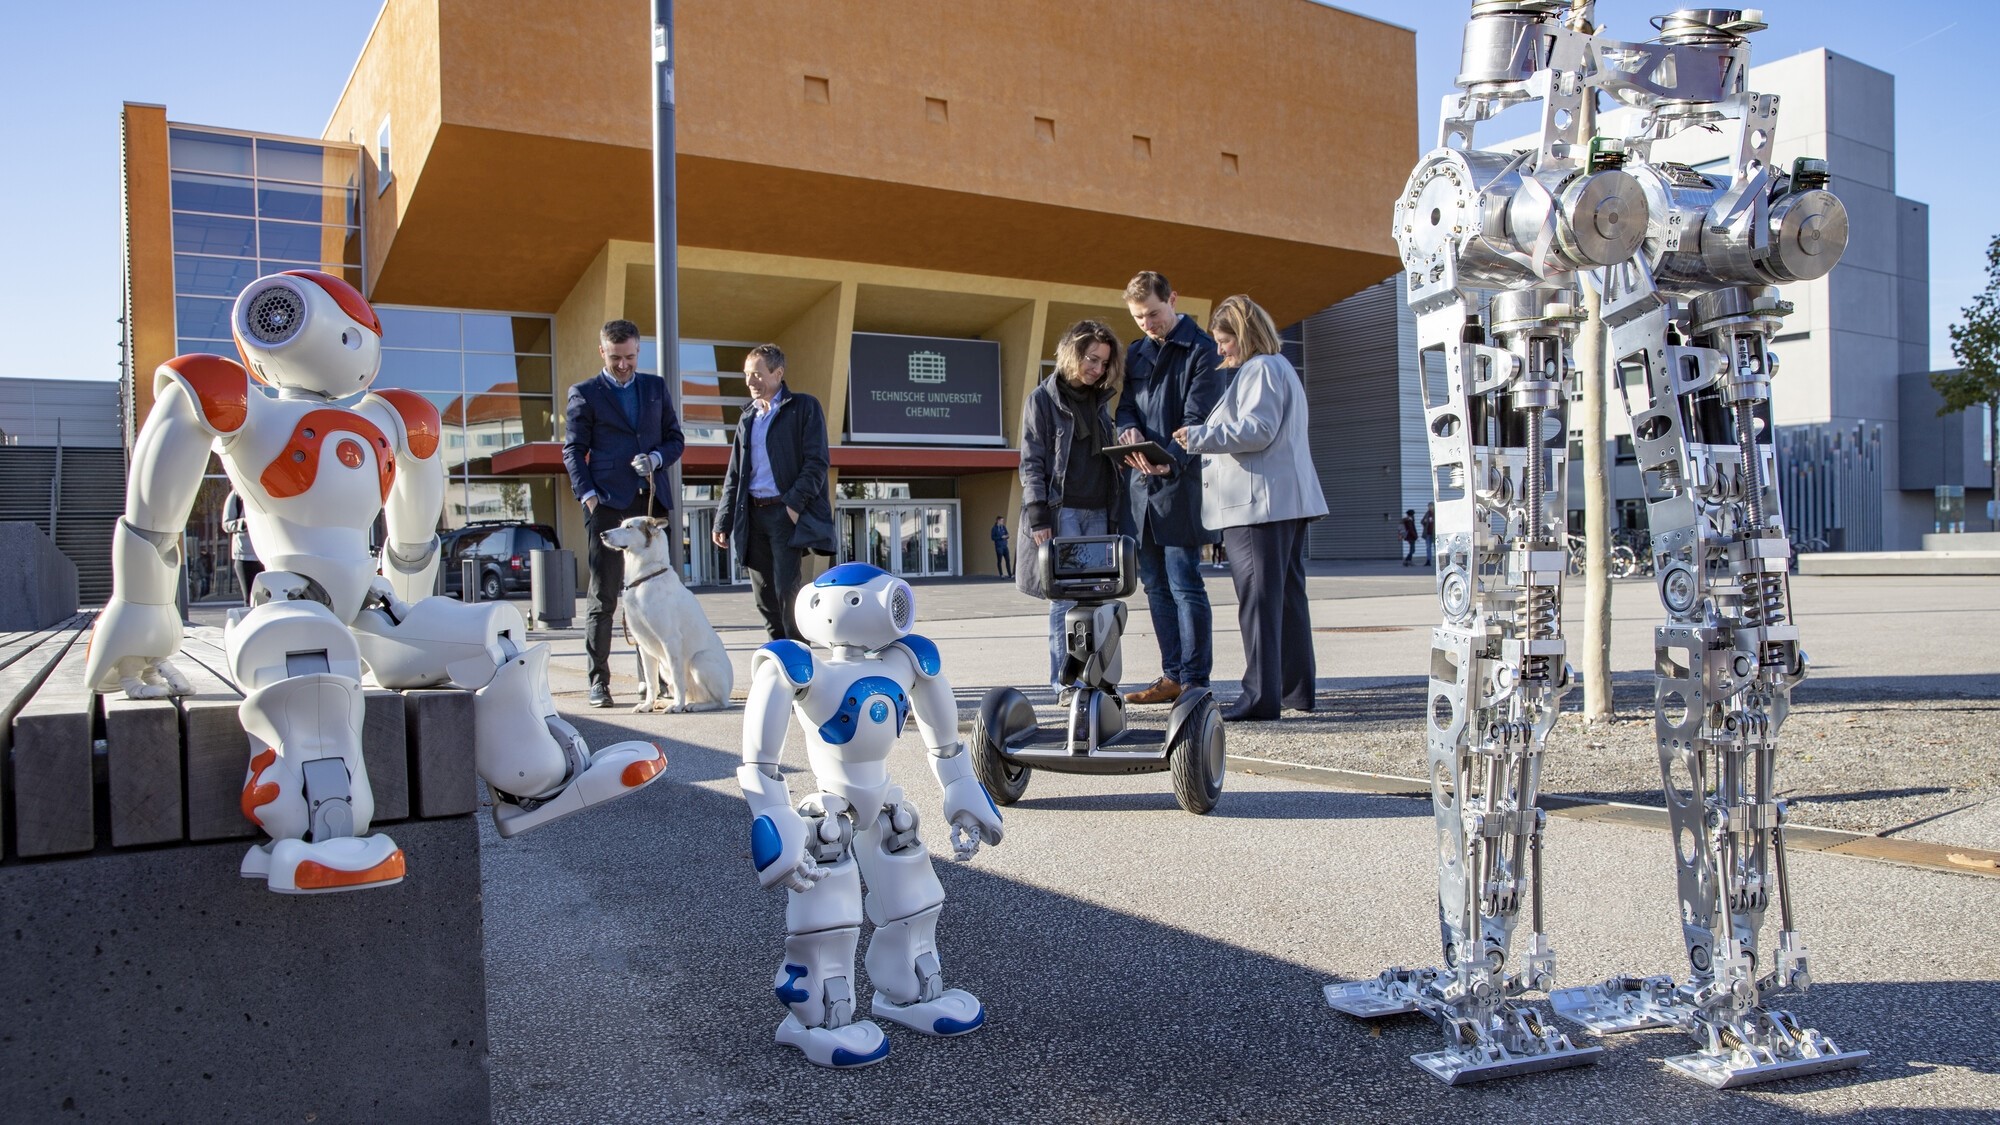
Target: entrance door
pixel 914 540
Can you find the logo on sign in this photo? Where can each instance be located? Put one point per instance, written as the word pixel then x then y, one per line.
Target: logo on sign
pixel 926 367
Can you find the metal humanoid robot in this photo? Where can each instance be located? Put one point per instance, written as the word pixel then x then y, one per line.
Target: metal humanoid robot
pixel 313 475
pixel 1690 320
pixel 1523 224
pixel 852 703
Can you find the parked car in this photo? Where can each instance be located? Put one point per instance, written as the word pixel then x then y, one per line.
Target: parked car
pixel 501 546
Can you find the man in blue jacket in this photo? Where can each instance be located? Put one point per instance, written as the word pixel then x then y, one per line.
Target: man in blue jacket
pixel 1171 381
pixel 623 434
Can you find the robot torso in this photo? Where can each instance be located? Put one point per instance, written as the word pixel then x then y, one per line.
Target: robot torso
pixel 853 711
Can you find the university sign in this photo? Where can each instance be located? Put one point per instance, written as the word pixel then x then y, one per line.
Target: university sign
pixel 923 390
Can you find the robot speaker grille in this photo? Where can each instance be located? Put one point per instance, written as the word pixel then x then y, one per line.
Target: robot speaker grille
pixel 274 316
pixel 899 608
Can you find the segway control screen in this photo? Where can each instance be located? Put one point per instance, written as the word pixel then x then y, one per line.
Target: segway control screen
pixel 1098 567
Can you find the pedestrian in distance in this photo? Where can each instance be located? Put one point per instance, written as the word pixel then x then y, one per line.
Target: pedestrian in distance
pixel 1409 535
pixel 1261 490
pixel 1003 559
pixel 1430 534
pixel 774 499
pixel 1068 486
pixel 242 553
pixel 1171 382
pixel 622 437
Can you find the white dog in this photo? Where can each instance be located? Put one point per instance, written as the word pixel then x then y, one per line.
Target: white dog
pixel 673 634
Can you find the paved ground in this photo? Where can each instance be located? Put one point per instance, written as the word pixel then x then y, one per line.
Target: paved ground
pixel 1141 963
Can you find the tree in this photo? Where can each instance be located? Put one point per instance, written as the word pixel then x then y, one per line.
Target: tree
pixel 1975 343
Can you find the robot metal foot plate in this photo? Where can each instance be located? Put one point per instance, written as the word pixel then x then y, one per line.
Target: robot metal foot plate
pixel 857 1044
pixel 957 1012
pixel 1391 994
pixel 614 772
pixel 347 863
pixel 1460 1068
pixel 1617 1005
pixel 1742 1069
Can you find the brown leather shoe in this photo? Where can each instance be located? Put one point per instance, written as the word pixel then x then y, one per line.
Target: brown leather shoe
pixel 1162 690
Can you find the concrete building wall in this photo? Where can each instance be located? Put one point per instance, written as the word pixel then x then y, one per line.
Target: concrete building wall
pixel 68 412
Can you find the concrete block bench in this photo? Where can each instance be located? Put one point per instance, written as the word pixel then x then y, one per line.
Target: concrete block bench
pixel 145 980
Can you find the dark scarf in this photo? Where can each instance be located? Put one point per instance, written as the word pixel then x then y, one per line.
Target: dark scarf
pixel 1083 403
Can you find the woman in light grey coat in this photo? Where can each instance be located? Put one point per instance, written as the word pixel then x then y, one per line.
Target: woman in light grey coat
pixel 1259 488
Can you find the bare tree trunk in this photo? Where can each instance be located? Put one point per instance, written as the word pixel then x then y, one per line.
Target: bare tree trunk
pixel 1596 651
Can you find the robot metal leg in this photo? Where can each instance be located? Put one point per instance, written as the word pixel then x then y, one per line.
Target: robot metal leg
pixel 904 900
pixel 822 928
pixel 1726 661
pixel 1496 684
pixel 307 783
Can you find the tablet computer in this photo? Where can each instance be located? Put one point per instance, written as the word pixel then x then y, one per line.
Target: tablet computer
pixel 1150 450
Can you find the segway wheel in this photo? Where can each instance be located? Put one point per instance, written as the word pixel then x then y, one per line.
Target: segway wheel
pixel 1197 758
pixel 1004 715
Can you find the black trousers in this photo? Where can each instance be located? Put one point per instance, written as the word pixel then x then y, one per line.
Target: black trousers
pixel 247 571
pixel 773 564
pixel 1267 561
pixel 607 577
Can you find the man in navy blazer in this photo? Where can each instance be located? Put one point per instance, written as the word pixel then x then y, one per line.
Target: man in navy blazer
pixel 622 436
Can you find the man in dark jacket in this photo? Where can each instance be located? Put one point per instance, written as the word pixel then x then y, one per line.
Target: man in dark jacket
pixel 1171 381
pixel 622 436
pixel 774 503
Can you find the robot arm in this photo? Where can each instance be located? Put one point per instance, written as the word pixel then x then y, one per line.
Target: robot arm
pixel 199 399
pixel 410 557
pixel 974 818
pixel 778 835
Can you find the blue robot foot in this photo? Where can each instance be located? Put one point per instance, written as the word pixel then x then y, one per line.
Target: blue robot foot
pixel 857 1044
pixel 957 1012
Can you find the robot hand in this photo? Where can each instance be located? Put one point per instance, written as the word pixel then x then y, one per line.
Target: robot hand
pixel 129 650
pixel 974 817
pixel 381 592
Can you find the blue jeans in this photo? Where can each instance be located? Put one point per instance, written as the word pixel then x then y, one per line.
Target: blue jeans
pixel 1070 522
pixel 1179 604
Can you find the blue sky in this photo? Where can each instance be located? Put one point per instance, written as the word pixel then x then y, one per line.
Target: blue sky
pixel 66 68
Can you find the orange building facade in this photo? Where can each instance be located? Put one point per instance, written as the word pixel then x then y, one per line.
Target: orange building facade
pixel 880 168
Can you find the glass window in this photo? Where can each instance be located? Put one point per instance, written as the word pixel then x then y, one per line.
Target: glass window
pixel 291 241
pixel 205 318
pixel 349 274
pixel 426 372
pixel 215 234
pixel 212 277
pixel 199 191
pixel 420 328
pixel 491 332
pixel 292 160
pixel 297 202
pixel 185 346
pixel 507 374
pixel 208 152
pixel 383 174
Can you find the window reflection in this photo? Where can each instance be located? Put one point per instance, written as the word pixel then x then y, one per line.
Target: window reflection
pixel 215 234
pixel 210 152
pixel 203 317
pixel 212 277
pixel 195 191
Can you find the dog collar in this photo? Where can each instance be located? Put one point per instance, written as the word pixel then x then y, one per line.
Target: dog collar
pixel 646 577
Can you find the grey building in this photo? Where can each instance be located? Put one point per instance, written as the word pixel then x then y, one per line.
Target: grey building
pixel 76 413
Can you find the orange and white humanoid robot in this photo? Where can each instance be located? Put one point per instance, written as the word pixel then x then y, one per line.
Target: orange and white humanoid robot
pixel 314 471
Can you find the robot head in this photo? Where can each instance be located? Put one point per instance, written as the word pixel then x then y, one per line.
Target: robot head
pixel 308 331
pixel 856 604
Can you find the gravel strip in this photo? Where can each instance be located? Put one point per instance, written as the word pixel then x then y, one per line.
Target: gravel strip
pixel 1864 761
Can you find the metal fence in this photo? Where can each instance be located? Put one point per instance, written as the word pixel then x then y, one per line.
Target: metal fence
pixel 1831 483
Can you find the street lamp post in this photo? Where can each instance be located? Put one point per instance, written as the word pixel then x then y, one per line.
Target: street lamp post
pixel 666 299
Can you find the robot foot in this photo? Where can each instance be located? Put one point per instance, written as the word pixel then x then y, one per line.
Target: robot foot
pixel 613 772
pixel 1762 1045
pixel 854 1045
pixel 957 1012
pixel 1619 1004
pixel 347 863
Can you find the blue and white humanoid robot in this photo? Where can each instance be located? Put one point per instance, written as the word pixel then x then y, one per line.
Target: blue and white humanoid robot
pixel 852 700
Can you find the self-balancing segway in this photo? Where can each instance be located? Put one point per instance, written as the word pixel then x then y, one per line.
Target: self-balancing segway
pixel 1009 742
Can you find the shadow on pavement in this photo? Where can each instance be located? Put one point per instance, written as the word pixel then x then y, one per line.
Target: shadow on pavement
pixel 630 956
pixel 1254 804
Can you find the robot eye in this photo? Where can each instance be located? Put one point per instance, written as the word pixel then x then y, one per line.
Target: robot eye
pixel 350 339
pixel 815 602
pixel 854 599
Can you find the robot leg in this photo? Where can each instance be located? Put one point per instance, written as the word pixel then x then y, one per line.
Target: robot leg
pixel 904 900
pixel 816 978
pixel 537 765
pixel 307 784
